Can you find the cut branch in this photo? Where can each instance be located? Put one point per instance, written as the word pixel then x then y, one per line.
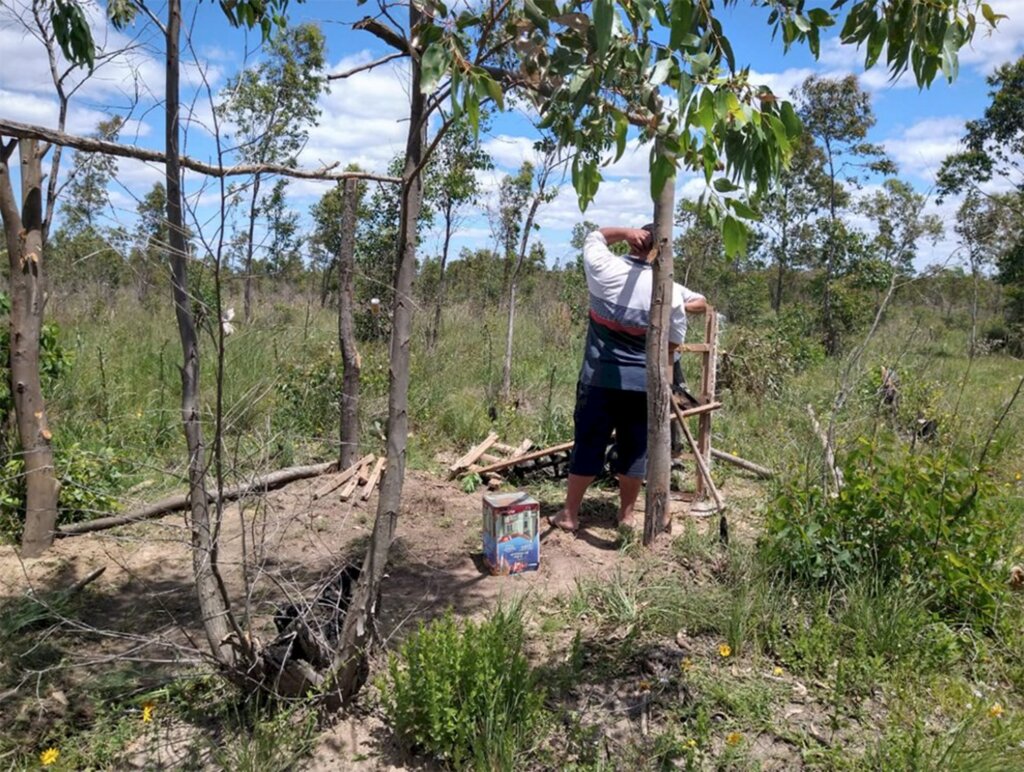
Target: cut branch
pixel 20 130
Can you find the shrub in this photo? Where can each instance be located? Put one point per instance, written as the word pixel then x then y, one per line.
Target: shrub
pixel 760 359
pixel 465 694
pixel 929 520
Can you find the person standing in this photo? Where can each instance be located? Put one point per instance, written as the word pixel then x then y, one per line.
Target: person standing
pixel 611 394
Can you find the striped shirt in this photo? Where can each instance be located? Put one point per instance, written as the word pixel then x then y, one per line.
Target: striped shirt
pixel 620 304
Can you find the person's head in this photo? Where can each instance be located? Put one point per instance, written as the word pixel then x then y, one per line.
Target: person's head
pixel 648 243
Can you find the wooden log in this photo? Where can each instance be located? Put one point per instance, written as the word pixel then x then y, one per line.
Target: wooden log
pixel 761 471
pixel 181 500
pixel 342 478
pixel 695 348
pixel 471 457
pixel 374 477
pixel 482 470
pixel 830 455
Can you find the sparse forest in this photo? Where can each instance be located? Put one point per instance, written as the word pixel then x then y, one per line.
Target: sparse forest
pixel 238 526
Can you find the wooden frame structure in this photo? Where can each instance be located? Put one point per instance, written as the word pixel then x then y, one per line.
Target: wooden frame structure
pixel 708 352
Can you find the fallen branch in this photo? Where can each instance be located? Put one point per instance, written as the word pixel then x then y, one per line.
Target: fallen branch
pixel 181 500
pixel 763 472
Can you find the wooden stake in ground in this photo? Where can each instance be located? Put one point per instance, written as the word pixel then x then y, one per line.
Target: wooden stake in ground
pixel 708 378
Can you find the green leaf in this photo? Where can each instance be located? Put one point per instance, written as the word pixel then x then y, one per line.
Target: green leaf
pixel 621 130
pixel 682 17
pixel 820 17
pixel 734 236
pixel 725 185
pixel 662 171
pixel 742 209
pixel 790 119
pixel 603 14
pixel 433 65
pixel 537 16
pixel 661 72
pixel 876 40
pixel 490 88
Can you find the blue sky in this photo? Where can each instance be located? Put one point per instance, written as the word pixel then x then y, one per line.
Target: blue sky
pixel 361 118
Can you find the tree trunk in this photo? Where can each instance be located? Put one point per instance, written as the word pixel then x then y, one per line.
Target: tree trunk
pixel 349 407
pixel 506 368
pixel 435 329
pixel 350 662
pixel 247 289
pixel 828 320
pixel 659 436
pixel 781 273
pixel 209 587
pixel 25 252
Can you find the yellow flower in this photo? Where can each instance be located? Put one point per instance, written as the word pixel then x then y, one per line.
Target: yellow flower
pixel 147 712
pixel 49 756
pixel 1017 476
pixel 691 743
pixel 733 738
pixel 686 664
pixel 996 710
pixel 645 686
pixel 777 671
pixel 724 650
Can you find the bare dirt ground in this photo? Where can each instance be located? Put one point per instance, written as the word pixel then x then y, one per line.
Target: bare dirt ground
pixel 144 603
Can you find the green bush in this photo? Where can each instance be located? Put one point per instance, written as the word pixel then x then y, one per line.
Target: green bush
pixel 921 519
pixel 90 482
pixel 465 693
pixel 759 359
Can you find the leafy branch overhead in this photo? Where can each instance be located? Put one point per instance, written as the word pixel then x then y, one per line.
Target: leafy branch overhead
pixel 594 68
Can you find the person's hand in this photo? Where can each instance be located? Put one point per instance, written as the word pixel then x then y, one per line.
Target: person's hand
pixel 639 241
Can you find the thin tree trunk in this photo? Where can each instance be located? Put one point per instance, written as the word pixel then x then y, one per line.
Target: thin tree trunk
pixel 212 602
pixel 350 663
pixel 506 368
pixel 24 233
pixel 435 329
pixel 831 334
pixel 349 407
pixel 659 435
pixel 247 290
pixel 781 273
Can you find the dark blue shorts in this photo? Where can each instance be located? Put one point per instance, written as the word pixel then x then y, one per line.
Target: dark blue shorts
pixel 599 411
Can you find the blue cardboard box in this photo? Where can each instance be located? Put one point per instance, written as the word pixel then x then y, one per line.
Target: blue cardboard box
pixel 511 533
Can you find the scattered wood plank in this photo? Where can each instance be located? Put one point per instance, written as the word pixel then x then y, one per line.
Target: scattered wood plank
pixel 342 478
pixel 360 478
pixel 180 501
pixel 501 447
pixel 374 477
pixel 364 471
pixel 349 488
pixel 763 472
pixel 482 470
pixel 522 450
pixel 472 456
pixel 487 458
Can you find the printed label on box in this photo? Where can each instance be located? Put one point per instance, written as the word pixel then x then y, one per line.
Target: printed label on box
pixel 511 533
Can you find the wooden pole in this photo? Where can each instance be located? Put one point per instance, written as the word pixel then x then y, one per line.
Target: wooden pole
pixel 709 365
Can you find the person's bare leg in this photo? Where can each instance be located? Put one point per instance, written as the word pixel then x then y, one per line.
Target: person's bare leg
pixel 629 489
pixel 568 517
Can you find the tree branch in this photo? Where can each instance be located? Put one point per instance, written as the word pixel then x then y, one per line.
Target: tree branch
pixel 385 33
pixel 367 66
pixel 91 145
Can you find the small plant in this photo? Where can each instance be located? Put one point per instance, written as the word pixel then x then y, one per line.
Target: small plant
pixel 465 693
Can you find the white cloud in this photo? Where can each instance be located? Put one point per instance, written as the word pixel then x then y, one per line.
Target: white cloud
pixel 782 83
pixel 920 149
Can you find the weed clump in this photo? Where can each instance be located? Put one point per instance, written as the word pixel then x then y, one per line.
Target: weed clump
pixel 926 520
pixel 465 693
